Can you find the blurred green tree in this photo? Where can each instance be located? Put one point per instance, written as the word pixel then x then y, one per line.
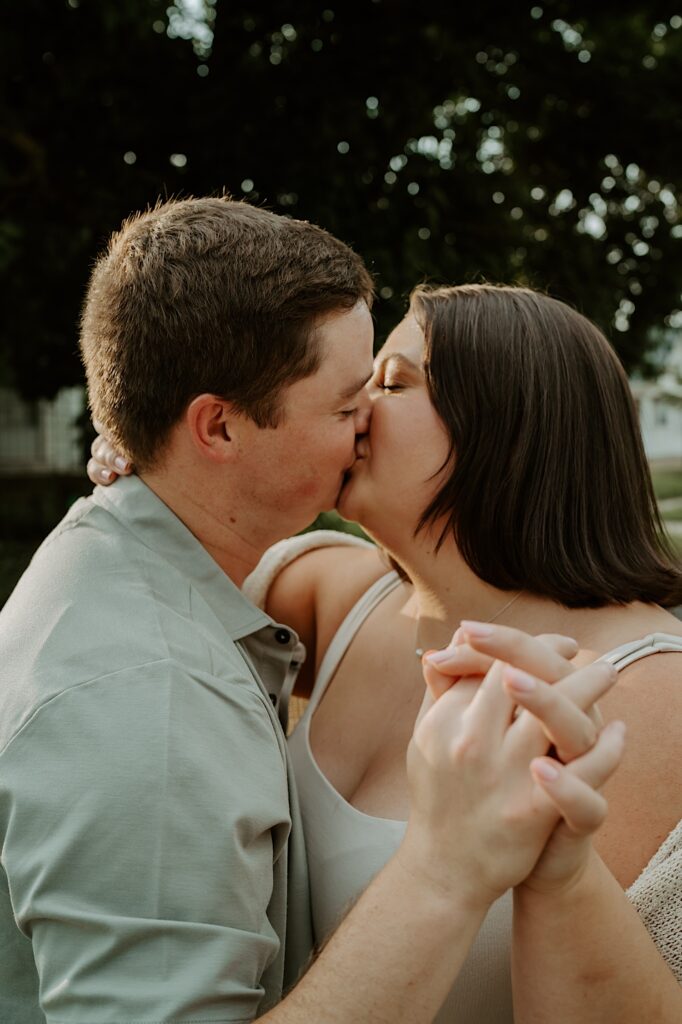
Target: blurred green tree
pixel 535 142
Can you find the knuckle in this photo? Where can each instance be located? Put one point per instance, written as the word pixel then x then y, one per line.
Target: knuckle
pixel 466 749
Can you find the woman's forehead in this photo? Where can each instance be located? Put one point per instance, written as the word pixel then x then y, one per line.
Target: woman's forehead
pixel 407 339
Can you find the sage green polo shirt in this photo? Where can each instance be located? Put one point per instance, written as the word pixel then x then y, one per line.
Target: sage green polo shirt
pixel 152 862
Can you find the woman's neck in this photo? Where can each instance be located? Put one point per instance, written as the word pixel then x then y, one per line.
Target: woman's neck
pixel 446 590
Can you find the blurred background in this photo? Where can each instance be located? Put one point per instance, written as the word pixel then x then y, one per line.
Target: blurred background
pixel 528 143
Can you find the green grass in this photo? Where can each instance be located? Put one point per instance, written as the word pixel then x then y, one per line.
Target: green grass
pixel 667 483
pixel 333 521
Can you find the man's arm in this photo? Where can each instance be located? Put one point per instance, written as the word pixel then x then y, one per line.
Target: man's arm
pixel 396 955
pixel 142 813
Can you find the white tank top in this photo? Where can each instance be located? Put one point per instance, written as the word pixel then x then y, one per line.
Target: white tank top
pixel 347 847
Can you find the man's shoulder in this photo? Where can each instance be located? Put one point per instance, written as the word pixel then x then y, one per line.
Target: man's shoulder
pixel 93 602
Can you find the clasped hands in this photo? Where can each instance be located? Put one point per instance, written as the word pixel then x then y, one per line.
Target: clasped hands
pixel 489 808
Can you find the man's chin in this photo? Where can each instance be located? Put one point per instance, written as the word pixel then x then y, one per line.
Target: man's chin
pixel 344 500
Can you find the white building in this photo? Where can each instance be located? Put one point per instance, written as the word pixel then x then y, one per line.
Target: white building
pixel 41 436
pixel 659 403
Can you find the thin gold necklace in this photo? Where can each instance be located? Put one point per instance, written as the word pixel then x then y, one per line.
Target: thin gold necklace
pixel 419 650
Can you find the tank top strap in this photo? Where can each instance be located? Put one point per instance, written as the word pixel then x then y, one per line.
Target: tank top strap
pixel 654 643
pixel 347 630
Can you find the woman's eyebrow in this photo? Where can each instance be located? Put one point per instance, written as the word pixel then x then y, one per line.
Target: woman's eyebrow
pixel 397 357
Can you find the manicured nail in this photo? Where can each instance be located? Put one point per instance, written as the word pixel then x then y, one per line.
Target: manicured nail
pixel 477 628
pixel 457 636
pixel 519 681
pixel 438 657
pixel 617 727
pixel 545 770
pixel 121 463
pixel 106 474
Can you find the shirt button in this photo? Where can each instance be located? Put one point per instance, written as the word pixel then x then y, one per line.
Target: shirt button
pixel 282 636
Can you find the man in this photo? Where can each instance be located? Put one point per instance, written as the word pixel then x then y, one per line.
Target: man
pixel 152 861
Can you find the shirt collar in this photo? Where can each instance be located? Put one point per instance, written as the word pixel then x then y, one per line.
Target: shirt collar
pixel 142 512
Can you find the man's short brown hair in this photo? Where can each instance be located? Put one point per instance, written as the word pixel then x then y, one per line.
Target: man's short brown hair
pixel 210 296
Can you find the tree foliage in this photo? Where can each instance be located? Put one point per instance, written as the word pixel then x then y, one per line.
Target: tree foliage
pixel 535 142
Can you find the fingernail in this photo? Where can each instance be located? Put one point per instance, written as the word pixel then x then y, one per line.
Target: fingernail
pixel 477 628
pixel 519 681
pixel 121 463
pixel 457 636
pixel 545 769
pixel 106 474
pixel 438 657
pixel 617 727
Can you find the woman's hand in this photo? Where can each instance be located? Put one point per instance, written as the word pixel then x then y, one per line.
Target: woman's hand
pixel 106 463
pixel 523 816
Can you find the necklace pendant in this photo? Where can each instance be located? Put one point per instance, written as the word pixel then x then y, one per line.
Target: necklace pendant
pixel 419 651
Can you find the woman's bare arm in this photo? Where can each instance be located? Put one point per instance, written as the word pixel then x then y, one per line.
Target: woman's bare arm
pixel 315 592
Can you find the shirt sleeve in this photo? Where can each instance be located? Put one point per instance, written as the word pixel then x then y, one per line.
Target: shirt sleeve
pixel 145 810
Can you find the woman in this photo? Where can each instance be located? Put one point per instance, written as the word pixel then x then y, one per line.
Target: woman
pixel 504 474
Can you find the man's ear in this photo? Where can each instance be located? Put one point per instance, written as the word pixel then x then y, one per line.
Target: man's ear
pixel 212 423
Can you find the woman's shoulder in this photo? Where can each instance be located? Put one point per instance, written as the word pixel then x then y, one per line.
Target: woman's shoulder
pixel 311 583
pixel 327 580
pixel 645 794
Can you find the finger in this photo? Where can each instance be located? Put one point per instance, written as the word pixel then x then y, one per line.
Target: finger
pixel 440 720
pixel 456 661
pixel 99 474
pixel 587 684
pixel 570 730
pixel 440 681
pixel 492 708
pixel 579 805
pixel 597 766
pixel 573 788
pixel 437 683
pixel 529 653
pixel 560 709
pixel 566 646
pixel 96 448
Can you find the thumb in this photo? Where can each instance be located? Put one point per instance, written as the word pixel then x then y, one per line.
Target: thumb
pixel 437 683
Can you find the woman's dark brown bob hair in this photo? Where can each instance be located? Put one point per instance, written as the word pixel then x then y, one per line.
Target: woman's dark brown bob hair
pixel 550 490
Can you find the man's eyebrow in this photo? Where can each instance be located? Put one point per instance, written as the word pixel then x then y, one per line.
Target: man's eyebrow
pixel 354 388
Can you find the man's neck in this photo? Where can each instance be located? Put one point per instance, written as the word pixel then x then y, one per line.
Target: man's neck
pixel 220 532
